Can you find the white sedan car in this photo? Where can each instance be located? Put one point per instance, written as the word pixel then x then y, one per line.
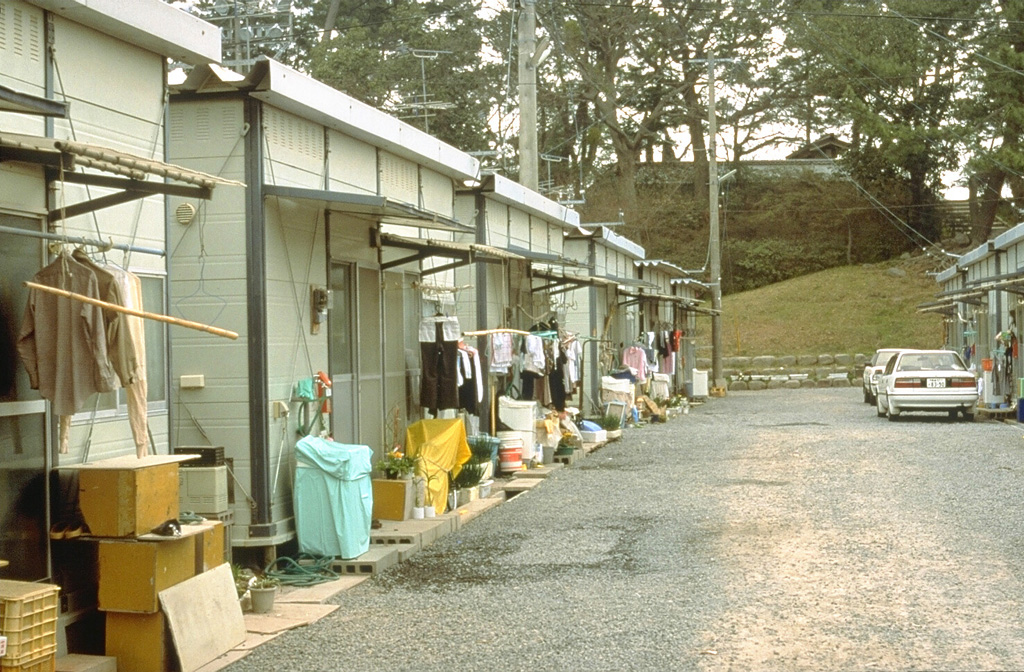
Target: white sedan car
pixel 927 380
pixel 871 370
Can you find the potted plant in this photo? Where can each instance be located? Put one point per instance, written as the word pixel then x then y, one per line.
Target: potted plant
pixel 612 426
pixel 466 481
pixel 262 590
pixel 419 490
pixel 396 464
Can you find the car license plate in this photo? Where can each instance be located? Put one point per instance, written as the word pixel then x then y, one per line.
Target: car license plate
pixel 936 382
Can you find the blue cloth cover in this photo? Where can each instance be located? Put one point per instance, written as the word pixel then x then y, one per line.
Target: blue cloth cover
pixel 588 426
pixel 333 497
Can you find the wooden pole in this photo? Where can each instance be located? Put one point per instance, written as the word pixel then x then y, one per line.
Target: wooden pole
pixel 131 311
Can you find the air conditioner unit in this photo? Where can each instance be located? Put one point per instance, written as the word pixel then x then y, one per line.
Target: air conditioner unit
pixel 203 490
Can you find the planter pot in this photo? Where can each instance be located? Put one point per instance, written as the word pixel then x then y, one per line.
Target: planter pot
pixel 429 511
pixel 417 513
pixel 464 496
pixel 262 599
pixel 485 488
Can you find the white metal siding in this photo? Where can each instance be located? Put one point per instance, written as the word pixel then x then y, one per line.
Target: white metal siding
pixel 294 150
pixel 22 48
pixel 352 164
pixel 519 228
pixel 438 192
pixel 399 178
pixel 497 224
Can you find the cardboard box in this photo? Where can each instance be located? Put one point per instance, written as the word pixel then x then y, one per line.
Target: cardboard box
pixel 128 496
pixel 140 642
pixel 392 498
pixel 133 572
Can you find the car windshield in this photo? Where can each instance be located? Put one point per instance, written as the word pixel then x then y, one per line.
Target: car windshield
pixel 931 361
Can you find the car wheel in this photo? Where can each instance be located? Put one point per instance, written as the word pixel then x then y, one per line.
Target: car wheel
pixel 952 414
pixel 968 416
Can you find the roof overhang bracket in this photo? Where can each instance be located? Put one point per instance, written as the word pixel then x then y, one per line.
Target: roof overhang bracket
pixel 132 190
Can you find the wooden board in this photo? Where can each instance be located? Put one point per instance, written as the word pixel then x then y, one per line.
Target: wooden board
pixel 203 629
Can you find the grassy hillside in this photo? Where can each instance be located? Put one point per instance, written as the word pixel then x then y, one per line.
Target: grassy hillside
pixel 842 310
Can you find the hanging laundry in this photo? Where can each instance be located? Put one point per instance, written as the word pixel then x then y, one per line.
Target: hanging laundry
pixel 62 342
pixel 636 359
pixel 120 347
pixel 534 360
pixel 501 353
pixel 439 338
pixel 471 384
pixel 137 391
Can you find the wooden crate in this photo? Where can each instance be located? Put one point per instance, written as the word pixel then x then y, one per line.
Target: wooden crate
pixel 140 642
pixel 128 496
pixel 133 572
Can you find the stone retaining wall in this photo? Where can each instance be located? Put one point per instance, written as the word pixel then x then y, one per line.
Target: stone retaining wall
pixel 790 371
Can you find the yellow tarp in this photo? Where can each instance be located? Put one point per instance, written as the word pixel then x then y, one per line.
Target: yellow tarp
pixel 442 448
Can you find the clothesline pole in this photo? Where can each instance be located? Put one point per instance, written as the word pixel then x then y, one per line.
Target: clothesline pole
pixel 487 332
pixel 131 311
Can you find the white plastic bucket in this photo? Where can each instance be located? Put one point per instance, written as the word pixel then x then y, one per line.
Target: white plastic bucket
pixel 510 452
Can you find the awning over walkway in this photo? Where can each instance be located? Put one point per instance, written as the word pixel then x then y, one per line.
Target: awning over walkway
pixel 423 248
pixel 62 158
pixel 941 307
pixel 544 258
pixel 24 103
pixel 386 210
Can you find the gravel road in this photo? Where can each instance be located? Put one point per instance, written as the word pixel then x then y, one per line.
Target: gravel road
pixel 782 530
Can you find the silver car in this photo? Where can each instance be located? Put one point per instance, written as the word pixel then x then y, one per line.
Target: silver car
pixel 872 371
pixel 927 380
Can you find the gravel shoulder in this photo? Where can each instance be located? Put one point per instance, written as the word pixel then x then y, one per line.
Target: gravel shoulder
pixel 788 529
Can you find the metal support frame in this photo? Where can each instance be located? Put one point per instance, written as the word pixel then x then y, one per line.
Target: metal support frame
pixel 256 318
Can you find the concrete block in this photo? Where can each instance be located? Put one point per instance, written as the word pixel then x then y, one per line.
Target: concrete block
pixel 566 460
pixel 737 362
pixel 844 360
pixel 786 361
pixel 763 362
pixel 374 561
pixel 826 360
pixel 539 472
pixel 806 360
pixel 757 385
pixel 792 384
pixel 519 485
pixel 77 662
pixel 738 385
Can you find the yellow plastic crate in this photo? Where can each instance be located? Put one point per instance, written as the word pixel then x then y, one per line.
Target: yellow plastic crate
pixel 46 663
pixel 28 618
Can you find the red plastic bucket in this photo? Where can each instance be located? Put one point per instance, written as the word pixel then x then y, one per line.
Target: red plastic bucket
pixel 986 364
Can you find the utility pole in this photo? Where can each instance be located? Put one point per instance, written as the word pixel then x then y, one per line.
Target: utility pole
pixel 527 40
pixel 714 245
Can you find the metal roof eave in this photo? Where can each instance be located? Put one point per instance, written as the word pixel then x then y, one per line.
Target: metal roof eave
pixel 511 193
pixel 151 24
pixel 387 210
pixel 610 239
pixel 291 90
